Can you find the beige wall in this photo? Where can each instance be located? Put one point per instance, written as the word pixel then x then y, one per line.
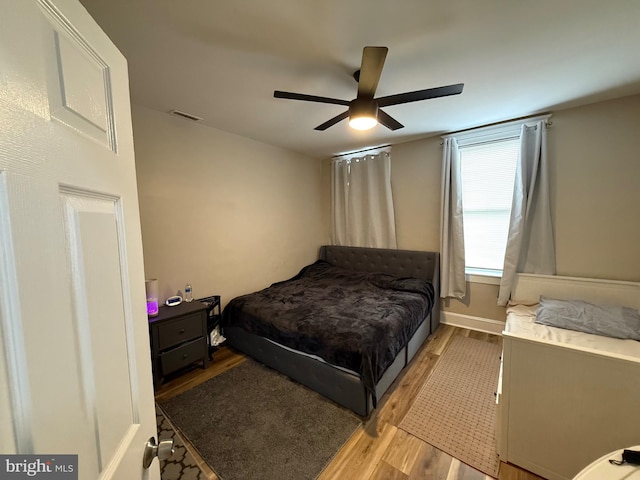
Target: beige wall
pixel 597 189
pixel 595 197
pixel 416 171
pixel 225 213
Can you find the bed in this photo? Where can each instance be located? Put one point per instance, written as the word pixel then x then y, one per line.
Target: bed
pixel 346 325
pixel 565 397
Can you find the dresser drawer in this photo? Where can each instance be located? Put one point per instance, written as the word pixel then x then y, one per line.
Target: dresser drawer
pixel 180 330
pixel 183 355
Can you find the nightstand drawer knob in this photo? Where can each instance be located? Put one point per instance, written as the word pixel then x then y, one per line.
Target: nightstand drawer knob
pixel 182 331
pixel 185 355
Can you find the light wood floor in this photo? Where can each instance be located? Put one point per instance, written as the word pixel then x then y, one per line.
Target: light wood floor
pixel 378 450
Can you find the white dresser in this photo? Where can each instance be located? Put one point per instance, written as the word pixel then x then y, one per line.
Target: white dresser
pixel 566 399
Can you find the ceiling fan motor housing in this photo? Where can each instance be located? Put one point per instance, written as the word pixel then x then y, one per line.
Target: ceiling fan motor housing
pixel 363 107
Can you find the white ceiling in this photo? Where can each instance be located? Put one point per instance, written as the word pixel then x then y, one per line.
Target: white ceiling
pixel 222 60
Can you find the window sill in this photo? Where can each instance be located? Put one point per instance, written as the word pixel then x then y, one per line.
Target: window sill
pixel 488 277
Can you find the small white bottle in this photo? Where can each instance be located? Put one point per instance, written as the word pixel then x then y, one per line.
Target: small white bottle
pixel 188 295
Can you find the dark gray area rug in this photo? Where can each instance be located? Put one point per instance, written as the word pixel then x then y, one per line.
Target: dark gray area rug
pixel 254 423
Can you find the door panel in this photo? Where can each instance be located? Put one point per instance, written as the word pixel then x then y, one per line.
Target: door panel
pixel 79 83
pixel 102 328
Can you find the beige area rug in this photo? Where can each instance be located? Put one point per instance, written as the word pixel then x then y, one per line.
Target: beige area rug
pixel 455 411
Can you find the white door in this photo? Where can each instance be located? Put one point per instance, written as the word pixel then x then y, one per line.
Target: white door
pixel 75 371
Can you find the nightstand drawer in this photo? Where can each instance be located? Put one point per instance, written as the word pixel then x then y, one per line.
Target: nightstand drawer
pixel 182 356
pixel 180 330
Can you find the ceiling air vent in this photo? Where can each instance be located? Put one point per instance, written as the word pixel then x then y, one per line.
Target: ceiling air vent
pixel 185 115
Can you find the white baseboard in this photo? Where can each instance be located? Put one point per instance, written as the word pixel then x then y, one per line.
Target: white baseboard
pixel 486 325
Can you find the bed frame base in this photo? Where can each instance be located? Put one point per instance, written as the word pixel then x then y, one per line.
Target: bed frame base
pixel 338 385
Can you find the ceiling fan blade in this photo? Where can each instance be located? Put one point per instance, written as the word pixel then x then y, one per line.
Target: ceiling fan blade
pixel 370 70
pixel 309 98
pixel 420 95
pixel 388 121
pixel 333 121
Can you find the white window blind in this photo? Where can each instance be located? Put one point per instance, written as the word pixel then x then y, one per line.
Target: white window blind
pixel 488 173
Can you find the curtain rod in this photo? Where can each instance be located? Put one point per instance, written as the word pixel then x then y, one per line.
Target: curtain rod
pixel 355 152
pixel 545 116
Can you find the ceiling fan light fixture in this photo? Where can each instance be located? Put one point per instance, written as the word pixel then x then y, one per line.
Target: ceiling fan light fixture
pixel 363 123
pixel 363 114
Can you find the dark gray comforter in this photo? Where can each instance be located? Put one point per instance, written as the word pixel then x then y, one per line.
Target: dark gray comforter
pixel 356 320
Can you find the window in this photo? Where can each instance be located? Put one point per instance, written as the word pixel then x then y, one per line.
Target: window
pixel 488 173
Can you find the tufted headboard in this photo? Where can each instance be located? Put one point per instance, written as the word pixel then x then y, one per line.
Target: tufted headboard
pixel 403 263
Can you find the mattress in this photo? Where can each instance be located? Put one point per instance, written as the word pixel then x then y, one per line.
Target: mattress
pixel 521 322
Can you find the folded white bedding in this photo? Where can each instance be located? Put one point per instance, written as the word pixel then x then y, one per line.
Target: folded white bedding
pixel 521 321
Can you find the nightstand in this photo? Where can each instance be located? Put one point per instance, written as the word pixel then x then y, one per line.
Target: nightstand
pixel 178 338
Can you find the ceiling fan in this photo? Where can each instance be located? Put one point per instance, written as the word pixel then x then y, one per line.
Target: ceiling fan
pixel 364 110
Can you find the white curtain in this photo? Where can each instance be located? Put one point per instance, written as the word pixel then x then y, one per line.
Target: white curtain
pixel 452 276
pixel 362 201
pixel 530 244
